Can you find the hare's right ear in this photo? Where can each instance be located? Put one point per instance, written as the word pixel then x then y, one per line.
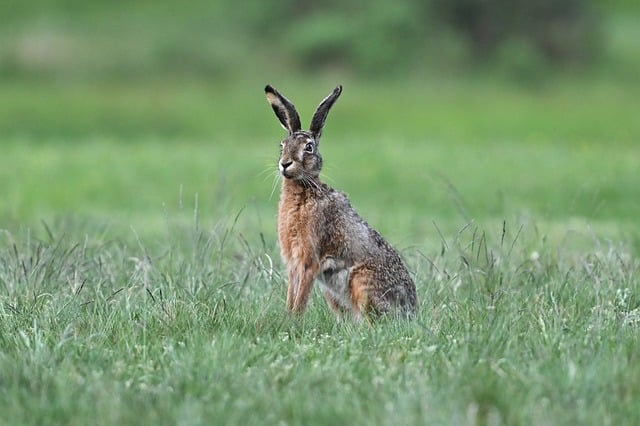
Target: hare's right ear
pixel 284 109
pixel 317 122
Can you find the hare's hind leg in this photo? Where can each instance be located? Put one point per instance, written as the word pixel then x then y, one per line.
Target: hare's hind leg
pixel 334 303
pixel 361 284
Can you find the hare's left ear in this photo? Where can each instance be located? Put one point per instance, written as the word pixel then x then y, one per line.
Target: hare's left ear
pixel 317 122
pixel 284 109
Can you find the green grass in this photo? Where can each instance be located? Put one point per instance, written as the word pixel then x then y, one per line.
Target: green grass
pixel 190 329
pixel 140 280
pixel 435 150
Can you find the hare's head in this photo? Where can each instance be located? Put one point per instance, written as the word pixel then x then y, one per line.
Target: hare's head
pixel 299 156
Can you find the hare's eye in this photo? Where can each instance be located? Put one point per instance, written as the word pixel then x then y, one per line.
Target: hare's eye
pixel 309 147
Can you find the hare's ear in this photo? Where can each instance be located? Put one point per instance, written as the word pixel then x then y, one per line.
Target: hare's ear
pixel 284 109
pixel 317 122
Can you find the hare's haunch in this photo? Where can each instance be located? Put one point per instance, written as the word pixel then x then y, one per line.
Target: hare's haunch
pixel 321 235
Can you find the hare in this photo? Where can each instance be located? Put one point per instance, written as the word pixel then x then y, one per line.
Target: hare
pixel 321 235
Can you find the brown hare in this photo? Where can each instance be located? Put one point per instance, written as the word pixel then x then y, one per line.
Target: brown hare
pixel 321 235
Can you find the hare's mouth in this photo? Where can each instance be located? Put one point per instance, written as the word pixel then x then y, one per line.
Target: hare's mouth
pixel 292 174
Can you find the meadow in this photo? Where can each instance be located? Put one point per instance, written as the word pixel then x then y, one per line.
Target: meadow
pixel 140 280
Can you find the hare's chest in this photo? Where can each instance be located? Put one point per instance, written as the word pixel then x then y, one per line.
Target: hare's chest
pixel 295 234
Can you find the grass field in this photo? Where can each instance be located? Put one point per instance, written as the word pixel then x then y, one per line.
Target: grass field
pixel 140 280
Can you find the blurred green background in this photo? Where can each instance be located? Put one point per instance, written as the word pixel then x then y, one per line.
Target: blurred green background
pixel 133 112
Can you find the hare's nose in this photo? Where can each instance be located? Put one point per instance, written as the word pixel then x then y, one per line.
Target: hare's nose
pixel 286 165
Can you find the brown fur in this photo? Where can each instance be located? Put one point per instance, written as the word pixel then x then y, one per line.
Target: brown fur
pixel 360 286
pixel 321 235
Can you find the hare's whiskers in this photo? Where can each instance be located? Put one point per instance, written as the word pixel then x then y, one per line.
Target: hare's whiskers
pixel 274 184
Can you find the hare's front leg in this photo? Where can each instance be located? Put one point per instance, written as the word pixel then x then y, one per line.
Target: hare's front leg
pixel 292 288
pixel 300 284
